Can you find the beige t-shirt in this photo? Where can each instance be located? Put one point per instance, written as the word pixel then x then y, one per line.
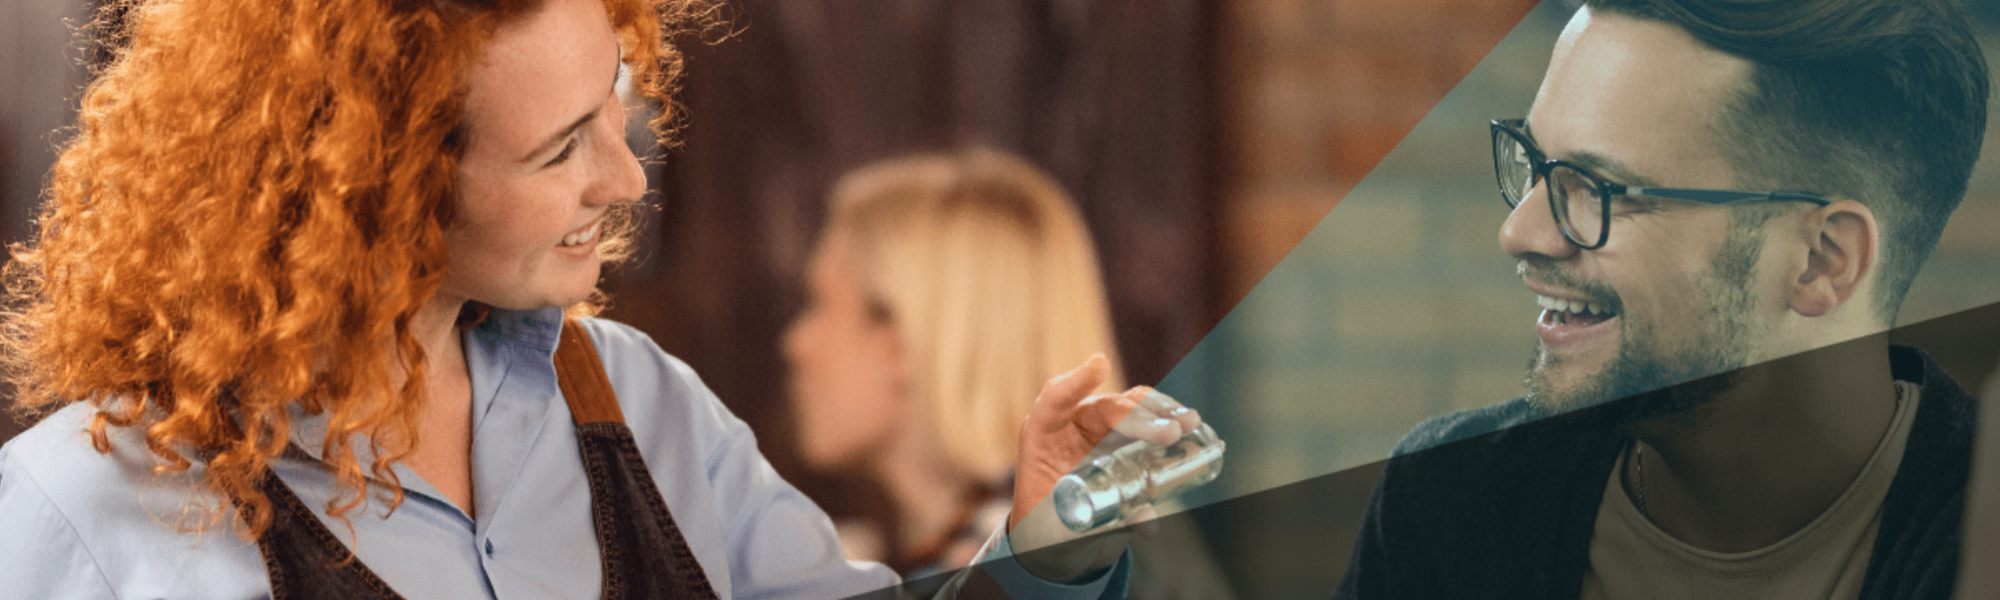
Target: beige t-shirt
pixel 1631 558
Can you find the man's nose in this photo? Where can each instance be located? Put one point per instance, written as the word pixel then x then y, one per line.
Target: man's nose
pixel 1531 228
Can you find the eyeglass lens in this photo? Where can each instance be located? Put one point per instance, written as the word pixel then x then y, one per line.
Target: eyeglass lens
pixel 1516 169
pixel 1575 204
pixel 1577 207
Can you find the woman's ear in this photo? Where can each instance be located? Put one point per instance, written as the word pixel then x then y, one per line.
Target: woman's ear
pixel 1841 244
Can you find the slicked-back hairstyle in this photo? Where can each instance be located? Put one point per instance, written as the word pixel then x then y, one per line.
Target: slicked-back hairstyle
pixel 1880 101
pixel 249 215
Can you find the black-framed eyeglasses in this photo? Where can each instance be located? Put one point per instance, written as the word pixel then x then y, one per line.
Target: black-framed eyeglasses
pixel 1581 201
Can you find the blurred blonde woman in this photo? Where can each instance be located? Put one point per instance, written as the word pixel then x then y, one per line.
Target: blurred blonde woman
pixel 942 287
pixel 945 289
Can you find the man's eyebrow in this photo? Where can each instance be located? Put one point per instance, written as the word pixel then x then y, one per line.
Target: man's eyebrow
pixel 618 66
pixel 1598 164
pixel 1608 168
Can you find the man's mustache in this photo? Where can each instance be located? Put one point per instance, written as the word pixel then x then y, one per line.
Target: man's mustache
pixel 1544 271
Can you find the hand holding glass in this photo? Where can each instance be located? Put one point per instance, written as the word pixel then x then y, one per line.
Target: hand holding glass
pixel 1109 488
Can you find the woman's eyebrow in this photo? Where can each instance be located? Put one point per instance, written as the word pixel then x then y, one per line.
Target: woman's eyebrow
pixel 572 127
pixel 560 136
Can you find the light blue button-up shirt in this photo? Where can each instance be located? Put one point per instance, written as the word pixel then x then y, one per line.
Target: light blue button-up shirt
pixel 78 524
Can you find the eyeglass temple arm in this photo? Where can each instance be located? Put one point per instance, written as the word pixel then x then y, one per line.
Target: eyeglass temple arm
pixel 1716 196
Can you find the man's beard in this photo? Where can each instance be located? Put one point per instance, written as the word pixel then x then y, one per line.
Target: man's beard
pixel 1655 380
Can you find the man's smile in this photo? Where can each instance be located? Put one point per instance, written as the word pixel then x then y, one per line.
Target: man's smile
pixel 1570 317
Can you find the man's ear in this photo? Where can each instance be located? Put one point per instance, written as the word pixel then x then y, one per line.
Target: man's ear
pixel 1840 256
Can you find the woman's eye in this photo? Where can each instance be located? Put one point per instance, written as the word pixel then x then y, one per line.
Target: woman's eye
pixel 563 156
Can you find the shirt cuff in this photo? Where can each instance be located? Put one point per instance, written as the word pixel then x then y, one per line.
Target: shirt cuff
pixel 1014 579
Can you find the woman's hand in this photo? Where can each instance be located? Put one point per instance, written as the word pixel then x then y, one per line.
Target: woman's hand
pixel 1058 434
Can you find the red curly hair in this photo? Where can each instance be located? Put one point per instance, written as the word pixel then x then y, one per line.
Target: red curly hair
pixel 250 214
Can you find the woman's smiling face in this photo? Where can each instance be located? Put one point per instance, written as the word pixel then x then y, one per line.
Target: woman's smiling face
pixel 545 159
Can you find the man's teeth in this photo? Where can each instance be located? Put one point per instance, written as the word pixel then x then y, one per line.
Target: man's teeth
pixel 1571 306
pixel 582 236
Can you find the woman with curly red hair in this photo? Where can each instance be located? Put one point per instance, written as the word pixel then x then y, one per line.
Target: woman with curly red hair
pixel 302 276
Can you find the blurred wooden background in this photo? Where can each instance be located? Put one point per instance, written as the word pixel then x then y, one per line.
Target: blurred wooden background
pixel 1113 98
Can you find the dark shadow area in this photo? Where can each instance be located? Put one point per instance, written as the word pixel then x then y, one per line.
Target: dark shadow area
pixel 1295 541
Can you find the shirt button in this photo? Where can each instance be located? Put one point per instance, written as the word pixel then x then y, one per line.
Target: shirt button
pixel 489 548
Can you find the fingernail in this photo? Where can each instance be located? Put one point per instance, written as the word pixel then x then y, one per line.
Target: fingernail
pixel 1161 423
pixel 1178 411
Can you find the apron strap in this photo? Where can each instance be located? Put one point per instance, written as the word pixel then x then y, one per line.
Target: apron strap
pixel 643 552
pixel 580 374
pixel 304 559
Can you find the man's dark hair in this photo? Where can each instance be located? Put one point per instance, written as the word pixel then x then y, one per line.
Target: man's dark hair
pixel 1881 101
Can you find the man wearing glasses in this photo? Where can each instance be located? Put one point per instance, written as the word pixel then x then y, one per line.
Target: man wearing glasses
pixel 1703 186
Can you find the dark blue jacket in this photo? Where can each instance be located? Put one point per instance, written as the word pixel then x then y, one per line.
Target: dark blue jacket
pixel 1505 507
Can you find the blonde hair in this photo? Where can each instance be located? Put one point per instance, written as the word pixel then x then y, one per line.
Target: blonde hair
pixel 984 266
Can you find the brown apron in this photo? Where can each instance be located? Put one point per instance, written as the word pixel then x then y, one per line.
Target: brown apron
pixel 644 555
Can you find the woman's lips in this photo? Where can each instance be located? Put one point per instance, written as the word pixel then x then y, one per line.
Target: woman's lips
pixel 583 235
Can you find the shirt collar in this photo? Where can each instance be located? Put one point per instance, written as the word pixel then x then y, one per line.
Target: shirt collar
pixel 490 347
pixel 533 332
